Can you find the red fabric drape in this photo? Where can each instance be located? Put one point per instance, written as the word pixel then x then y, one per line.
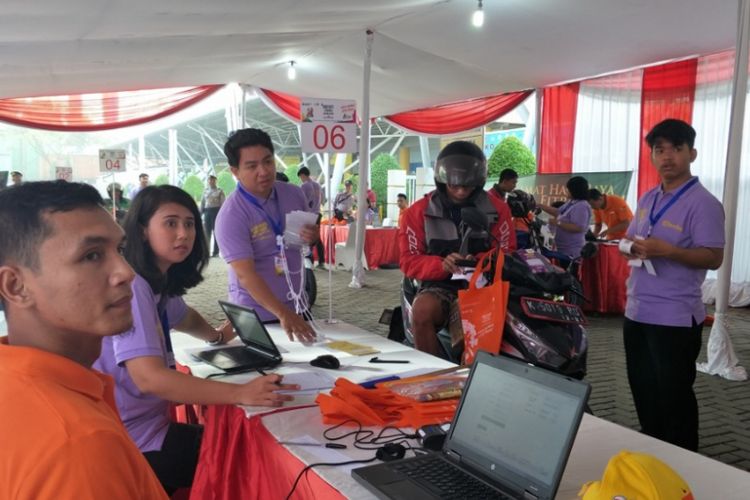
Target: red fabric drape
pixel 458 116
pixel 286 105
pixel 668 92
pixel 241 459
pixel 603 277
pixel 559 108
pixel 90 112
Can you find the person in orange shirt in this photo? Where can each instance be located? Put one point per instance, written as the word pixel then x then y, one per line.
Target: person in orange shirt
pixel 64 286
pixel 402 202
pixel 611 211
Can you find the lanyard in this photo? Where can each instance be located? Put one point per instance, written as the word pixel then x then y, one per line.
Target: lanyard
pixel 277 226
pixel 653 219
pixel 165 329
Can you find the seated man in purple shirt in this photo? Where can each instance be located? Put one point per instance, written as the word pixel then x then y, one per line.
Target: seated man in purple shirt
pixel 250 228
pixel 679 228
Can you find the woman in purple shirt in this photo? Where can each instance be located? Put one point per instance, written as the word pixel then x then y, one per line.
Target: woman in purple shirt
pixel 167 248
pixel 572 219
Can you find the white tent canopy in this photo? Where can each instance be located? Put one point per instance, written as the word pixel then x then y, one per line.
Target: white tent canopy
pixel 425 52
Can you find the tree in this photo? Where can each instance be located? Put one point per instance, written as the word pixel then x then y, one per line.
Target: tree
pixel 379 168
pixel 225 181
pixel 194 187
pixel 511 153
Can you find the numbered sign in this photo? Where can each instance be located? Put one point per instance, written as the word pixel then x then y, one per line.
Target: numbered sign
pixel 111 161
pixel 64 173
pixel 328 126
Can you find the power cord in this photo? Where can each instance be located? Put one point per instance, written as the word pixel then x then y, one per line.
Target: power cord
pixel 364 439
pixel 324 464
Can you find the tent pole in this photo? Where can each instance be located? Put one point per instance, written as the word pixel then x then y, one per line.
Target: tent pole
pixel 722 360
pixel 358 274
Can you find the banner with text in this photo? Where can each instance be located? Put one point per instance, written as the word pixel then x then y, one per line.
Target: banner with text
pixel 328 125
pixel 548 188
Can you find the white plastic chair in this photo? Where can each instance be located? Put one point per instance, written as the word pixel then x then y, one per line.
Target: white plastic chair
pixel 345 251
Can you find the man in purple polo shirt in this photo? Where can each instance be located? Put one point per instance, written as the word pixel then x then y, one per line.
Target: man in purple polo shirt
pixel 679 227
pixel 249 226
pixel 312 193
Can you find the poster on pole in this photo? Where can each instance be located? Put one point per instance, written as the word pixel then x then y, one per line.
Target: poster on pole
pixel 111 161
pixel 64 174
pixel 328 125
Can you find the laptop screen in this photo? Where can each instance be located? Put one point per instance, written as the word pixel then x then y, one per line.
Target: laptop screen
pixel 517 429
pixel 249 327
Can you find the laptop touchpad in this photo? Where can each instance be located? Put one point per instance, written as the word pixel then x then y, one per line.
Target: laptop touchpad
pixel 405 489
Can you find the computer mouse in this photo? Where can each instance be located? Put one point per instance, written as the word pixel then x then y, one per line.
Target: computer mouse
pixel 326 361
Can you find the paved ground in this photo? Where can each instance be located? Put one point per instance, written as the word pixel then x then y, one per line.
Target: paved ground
pixel 724 405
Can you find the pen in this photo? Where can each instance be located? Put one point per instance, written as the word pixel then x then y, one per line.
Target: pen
pixel 378 360
pixel 260 370
pixel 335 446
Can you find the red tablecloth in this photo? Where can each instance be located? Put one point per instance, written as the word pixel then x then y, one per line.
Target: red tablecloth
pixel 381 244
pixel 241 459
pixel 603 277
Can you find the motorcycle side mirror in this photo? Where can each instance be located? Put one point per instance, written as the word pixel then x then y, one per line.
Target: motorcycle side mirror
pixel 475 219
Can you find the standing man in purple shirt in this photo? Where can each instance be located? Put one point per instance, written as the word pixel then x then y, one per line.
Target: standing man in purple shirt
pixel 679 228
pixel 312 193
pixel 250 228
pixel 572 219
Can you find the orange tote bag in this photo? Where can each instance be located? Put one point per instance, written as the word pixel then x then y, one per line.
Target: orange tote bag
pixel 483 309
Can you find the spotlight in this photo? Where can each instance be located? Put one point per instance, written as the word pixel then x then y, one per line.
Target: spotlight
pixel 291 73
pixel 478 18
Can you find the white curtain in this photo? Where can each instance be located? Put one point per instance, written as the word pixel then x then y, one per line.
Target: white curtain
pixel 608 122
pixel 711 112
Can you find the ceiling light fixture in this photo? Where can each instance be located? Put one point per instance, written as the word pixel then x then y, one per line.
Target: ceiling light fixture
pixel 291 73
pixel 478 18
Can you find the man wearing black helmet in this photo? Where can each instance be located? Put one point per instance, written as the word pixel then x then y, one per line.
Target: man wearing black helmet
pixel 429 240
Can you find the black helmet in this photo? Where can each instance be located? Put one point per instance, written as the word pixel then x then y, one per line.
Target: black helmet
pixel 461 163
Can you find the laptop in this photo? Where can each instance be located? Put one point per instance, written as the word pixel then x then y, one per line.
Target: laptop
pixel 510 438
pixel 258 350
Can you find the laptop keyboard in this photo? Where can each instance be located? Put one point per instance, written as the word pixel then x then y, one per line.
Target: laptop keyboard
pixel 445 480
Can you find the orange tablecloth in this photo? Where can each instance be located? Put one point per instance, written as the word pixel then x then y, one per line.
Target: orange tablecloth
pixel 241 459
pixel 603 277
pixel 381 244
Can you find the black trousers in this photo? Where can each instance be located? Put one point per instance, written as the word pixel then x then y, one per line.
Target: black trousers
pixel 175 463
pixel 661 373
pixel 209 224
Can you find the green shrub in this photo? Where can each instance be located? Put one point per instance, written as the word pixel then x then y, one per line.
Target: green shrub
pixel 225 181
pixel 194 187
pixel 511 153
pixel 291 172
pixel 161 180
pixel 379 168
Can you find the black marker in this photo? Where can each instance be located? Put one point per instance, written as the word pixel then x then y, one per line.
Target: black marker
pixel 378 360
pixel 335 446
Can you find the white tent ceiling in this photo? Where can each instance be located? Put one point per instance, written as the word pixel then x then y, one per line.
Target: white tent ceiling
pixel 425 52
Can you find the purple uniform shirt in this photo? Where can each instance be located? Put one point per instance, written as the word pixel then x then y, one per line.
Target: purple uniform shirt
pixel 576 212
pixel 673 296
pixel 312 193
pixel 244 232
pixel 145 416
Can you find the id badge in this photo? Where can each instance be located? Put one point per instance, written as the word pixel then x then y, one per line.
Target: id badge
pixel 278 264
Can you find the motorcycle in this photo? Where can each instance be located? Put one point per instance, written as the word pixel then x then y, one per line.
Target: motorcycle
pixel 555 345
